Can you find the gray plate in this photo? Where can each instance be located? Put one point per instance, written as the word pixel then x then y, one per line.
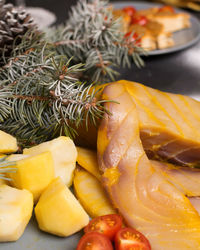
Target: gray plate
pixel 183 39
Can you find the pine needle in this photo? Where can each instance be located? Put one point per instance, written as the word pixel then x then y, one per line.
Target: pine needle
pixel 5 168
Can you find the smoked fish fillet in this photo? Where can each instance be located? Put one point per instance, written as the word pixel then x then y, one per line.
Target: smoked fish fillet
pixel 146 200
pixel 169 124
pixel 187 180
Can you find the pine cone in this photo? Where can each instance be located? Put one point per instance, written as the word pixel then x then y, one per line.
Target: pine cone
pixel 14 23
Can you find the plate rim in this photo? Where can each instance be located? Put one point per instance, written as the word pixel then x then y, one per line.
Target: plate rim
pixel 174 48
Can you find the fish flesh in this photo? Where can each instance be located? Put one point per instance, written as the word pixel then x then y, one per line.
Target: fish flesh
pixel 196 203
pixel 187 180
pixel 144 197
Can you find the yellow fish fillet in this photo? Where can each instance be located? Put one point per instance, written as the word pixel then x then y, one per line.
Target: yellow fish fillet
pixel 146 200
pixel 169 124
pixel 185 179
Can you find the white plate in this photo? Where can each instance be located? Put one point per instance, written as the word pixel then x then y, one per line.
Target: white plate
pixel 183 39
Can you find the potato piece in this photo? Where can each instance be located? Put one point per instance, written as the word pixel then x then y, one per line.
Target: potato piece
pixel 91 194
pixel 33 173
pixel 8 143
pixel 13 157
pixel 64 155
pixel 15 212
pixel 88 160
pixel 58 211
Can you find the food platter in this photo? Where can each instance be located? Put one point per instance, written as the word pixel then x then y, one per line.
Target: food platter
pixel 183 39
pixel 33 238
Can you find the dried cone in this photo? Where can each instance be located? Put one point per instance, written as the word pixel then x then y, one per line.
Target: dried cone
pixel 14 23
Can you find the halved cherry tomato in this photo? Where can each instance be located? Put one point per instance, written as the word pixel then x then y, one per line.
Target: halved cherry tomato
pixel 133 38
pixel 166 8
pixel 129 238
pixel 129 10
pixel 107 225
pixel 141 20
pixel 94 241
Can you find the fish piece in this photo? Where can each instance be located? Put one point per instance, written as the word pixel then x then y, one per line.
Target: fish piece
pixel 169 125
pixel 146 200
pixel 187 180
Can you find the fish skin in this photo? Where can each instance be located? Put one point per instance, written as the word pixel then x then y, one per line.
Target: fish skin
pixel 146 200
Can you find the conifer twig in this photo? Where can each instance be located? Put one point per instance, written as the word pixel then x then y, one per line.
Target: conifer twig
pixel 5 168
pixel 42 97
pixel 94 37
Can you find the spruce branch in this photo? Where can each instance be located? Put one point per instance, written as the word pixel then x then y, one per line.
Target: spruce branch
pixel 94 37
pixel 42 97
pixel 46 86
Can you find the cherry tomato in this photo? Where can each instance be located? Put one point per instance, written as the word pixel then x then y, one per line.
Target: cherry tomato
pixel 129 10
pixel 141 20
pixel 134 38
pixel 166 8
pixel 107 225
pixel 129 238
pixel 94 241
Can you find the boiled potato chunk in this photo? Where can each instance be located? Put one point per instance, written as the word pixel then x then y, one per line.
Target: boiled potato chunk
pixel 15 212
pixel 8 143
pixel 91 194
pixel 33 173
pixel 58 211
pixel 88 160
pixel 64 155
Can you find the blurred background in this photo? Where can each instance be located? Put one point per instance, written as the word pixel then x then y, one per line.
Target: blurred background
pixel 61 7
pixel 174 72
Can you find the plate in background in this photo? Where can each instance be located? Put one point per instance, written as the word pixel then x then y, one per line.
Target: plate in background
pixel 183 39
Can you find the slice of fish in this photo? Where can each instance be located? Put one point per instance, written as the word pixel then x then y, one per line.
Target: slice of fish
pixel 146 200
pixel 187 180
pixel 169 125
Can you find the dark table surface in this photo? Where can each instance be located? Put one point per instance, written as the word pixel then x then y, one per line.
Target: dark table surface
pixel 177 72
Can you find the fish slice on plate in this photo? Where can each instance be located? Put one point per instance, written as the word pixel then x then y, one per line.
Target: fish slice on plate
pixel 144 197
